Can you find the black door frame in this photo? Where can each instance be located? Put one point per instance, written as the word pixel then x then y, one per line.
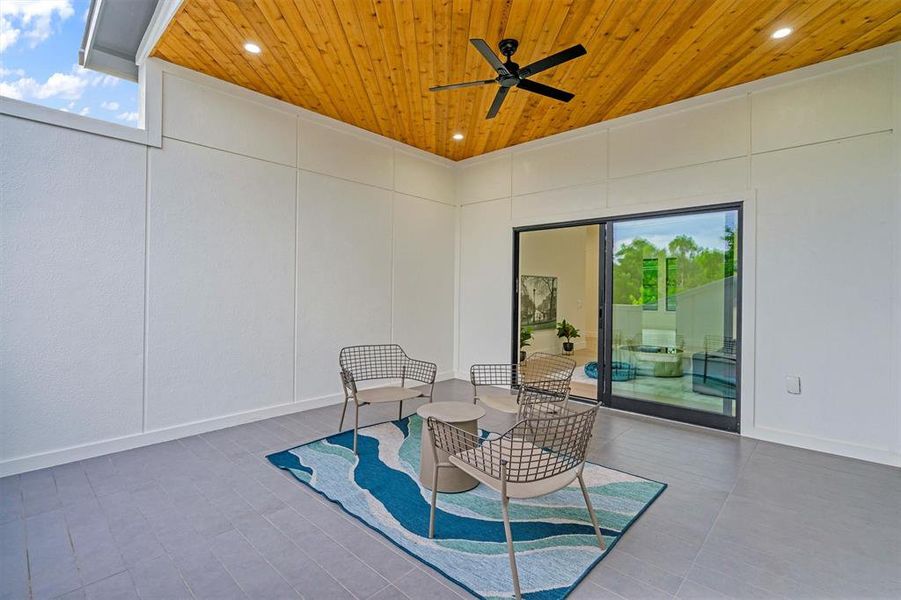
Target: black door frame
pixel 605 316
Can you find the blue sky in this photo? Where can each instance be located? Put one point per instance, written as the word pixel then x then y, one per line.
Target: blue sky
pixel 707 229
pixel 39 42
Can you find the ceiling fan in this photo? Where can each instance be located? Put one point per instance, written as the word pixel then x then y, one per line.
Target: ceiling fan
pixel 509 74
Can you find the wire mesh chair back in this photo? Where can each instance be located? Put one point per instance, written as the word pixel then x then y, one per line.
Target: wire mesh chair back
pixel 375 361
pixel 494 374
pixel 545 390
pixel 550 393
pixel 543 367
pixel 382 361
pixel 719 343
pixel 536 448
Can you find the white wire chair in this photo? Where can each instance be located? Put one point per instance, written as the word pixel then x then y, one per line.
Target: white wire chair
pixel 381 362
pixel 548 372
pixel 544 452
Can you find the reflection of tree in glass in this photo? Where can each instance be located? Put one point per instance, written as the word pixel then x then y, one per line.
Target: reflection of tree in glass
pixel 695 266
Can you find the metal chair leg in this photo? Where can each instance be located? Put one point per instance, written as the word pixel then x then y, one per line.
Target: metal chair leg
pixel 504 502
pixel 434 501
pixel 594 519
pixel 513 571
pixel 400 410
pixel 343 410
pixel 356 424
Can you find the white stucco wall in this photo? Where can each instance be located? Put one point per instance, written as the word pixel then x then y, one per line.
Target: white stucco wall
pixel 150 293
pixel 813 155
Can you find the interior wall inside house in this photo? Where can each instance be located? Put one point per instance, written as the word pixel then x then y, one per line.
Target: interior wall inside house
pixel 152 293
pixel 561 254
pixel 814 157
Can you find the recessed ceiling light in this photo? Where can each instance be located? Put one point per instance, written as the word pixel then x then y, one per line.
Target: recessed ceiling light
pixel 457 136
pixel 781 33
pixel 252 48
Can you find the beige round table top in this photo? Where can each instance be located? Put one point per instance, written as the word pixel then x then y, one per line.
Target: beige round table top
pixel 451 412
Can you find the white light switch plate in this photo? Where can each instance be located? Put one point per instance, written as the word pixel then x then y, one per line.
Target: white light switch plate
pixel 793 384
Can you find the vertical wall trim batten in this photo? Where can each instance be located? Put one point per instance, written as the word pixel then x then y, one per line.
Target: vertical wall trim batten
pixel 392 334
pixel 294 360
pixel 145 340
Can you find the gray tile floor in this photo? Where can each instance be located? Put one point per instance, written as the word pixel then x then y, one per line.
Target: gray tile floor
pixel 207 517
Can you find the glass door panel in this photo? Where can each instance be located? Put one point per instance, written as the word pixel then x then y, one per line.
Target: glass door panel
pixel 674 323
pixel 558 274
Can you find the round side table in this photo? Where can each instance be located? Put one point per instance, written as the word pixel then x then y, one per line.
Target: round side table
pixel 460 414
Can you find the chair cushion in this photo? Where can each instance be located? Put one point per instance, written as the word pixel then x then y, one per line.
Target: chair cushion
pixel 500 401
pixel 465 461
pixel 390 393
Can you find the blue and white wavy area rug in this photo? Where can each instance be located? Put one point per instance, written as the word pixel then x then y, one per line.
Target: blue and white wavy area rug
pixel 555 543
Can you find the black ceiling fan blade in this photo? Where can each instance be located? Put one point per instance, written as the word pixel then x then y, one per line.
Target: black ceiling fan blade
pixel 553 60
pixel 485 50
pixel 545 90
pixel 498 100
pixel 456 86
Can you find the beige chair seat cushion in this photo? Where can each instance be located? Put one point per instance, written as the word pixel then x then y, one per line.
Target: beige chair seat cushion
pixel 500 401
pixel 518 451
pixel 390 393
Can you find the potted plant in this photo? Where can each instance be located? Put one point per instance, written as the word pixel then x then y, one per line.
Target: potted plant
pixel 525 339
pixel 568 331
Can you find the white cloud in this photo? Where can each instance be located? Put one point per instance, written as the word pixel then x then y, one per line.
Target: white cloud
pixel 130 117
pixel 4 72
pixel 32 20
pixel 109 105
pixel 84 111
pixel 104 80
pixel 9 35
pixel 67 86
pixel 17 89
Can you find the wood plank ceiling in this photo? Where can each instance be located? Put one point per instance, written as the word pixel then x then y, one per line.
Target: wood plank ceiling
pixel 370 62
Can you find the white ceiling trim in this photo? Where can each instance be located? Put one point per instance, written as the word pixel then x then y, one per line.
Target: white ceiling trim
pixel 162 16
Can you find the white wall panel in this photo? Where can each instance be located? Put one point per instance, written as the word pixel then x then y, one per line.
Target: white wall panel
pixel 824 288
pixel 712 132
pixel 485 179
pixel 823 275
pixel 424 248
pixel 342 154
pixel 556 204
pixel 486 293
pixel 422 177
pixel 203 115
pixel 344 266
pixel 220 306
pixel 574 161
pixel 849 102
pixel 697 180
pixel 71 287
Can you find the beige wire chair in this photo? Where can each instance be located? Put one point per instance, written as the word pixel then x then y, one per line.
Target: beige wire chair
pixel 381 362
pixel 547 372
pixel 539 455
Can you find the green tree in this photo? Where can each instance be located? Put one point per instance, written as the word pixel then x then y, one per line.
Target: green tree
pixel 689 266
pixel 628 270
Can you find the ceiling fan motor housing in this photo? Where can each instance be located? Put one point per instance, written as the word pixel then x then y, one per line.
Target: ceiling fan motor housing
pixel 508 47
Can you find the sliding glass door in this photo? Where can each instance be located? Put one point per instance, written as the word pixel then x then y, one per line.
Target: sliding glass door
pixel 651 305
pixel 673 316
pixel 558 300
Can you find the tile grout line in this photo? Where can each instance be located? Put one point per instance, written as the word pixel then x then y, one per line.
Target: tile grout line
pixel 713 525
